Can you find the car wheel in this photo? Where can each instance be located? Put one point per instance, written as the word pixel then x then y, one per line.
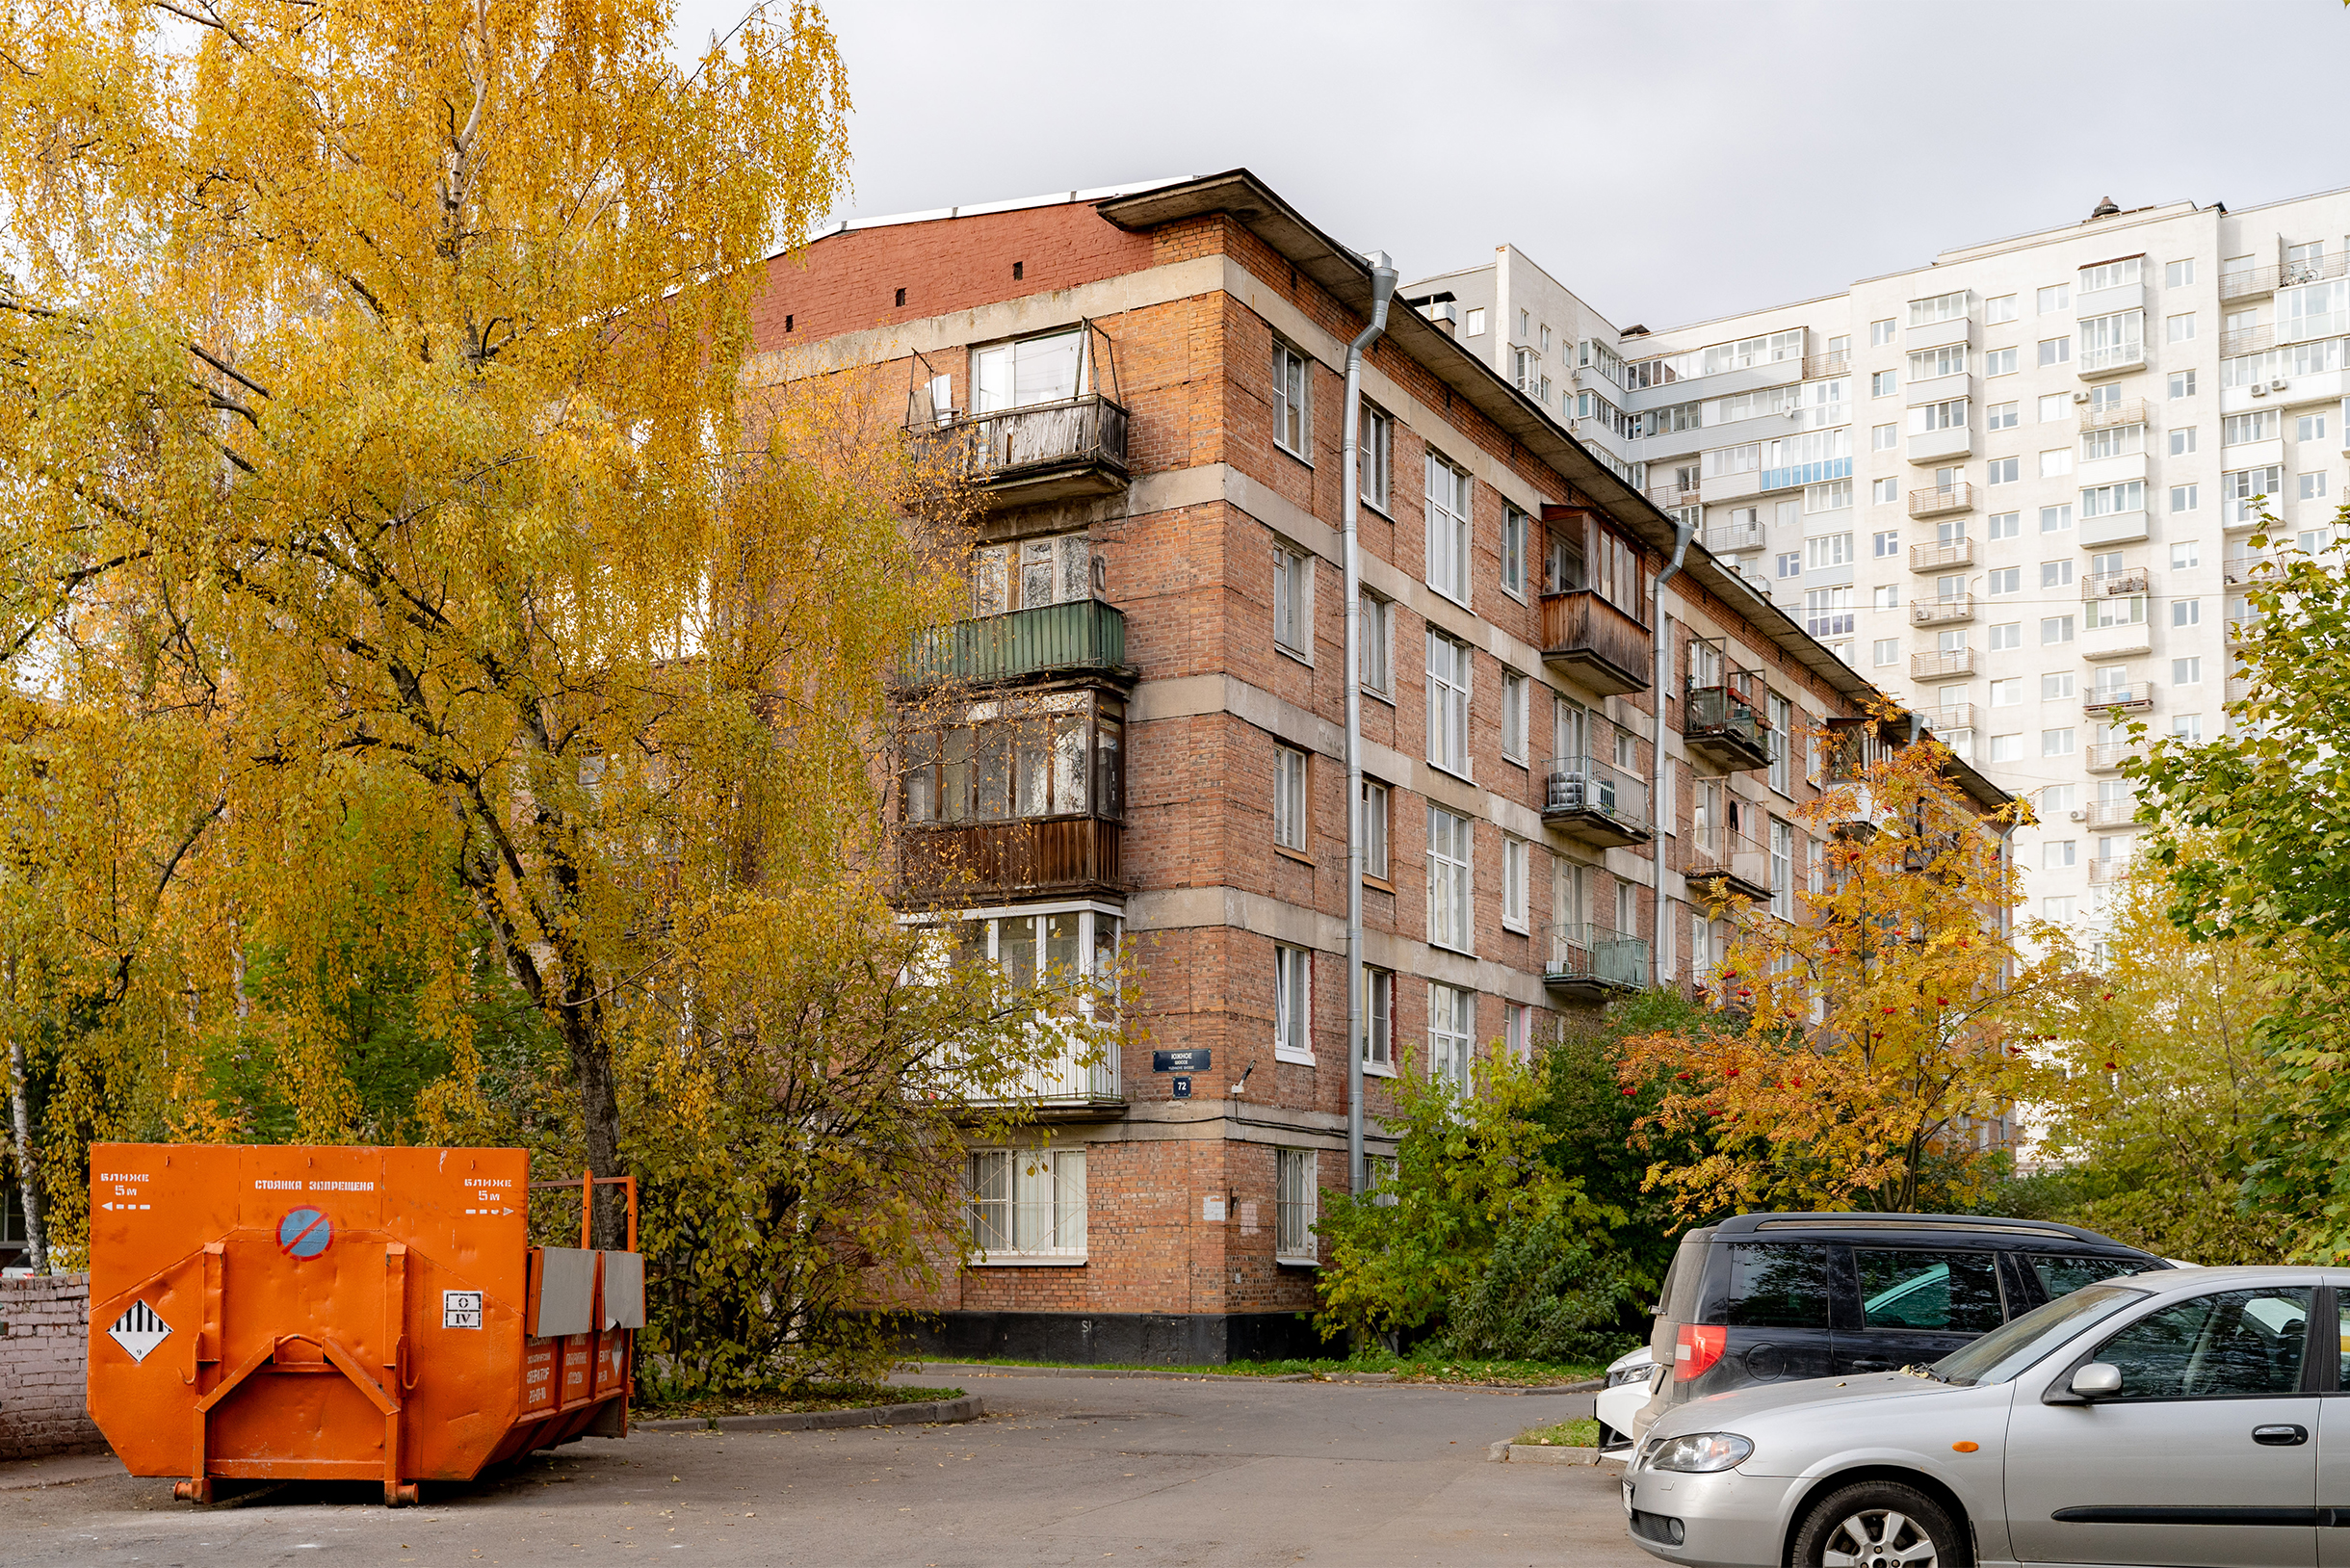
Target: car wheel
pixel 1880 1525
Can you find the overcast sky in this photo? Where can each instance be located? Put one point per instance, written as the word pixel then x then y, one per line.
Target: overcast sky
pixel 1668 160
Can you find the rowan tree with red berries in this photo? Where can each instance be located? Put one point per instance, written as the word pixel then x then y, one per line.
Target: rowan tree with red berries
pixel 1852 1056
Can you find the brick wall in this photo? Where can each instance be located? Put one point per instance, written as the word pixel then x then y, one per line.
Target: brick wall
pixel 44 1357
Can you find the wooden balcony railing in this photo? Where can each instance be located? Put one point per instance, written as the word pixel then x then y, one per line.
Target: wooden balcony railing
pixel 1609 651
pixel 1083 634
pixel 1046 450
pixel 1047 854
pixel 1818 366
pixel 1935 558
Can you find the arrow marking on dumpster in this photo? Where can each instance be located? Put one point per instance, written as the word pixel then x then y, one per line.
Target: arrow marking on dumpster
pixel 139 1330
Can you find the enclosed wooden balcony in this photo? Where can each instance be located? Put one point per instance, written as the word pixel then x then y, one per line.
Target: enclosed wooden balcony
pixel 971 863
pixel 1601 648
pixel 1080 637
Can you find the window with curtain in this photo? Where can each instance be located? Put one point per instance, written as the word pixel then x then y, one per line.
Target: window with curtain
pixel 1026 1201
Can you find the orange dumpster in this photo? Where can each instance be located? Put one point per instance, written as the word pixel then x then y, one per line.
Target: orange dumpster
pixel 347 1313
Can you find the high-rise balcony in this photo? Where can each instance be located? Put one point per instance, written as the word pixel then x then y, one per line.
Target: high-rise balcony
pixel 1950 718
pixel 2116 584
pixel 2107 756
pixel 2135 697
pixel 974 862
pixel 1079 635
pixel 2130 411
pixel 2113 359
pixel 1722 723
pixel 2110 813
pixel 1955 555
pixel 1669 496
pixel 1710 852
pixel 1959 606
pixel 1726 538
pixel 1057 451
pixel 1595 801
pixel 1941 499
pixel 1592 962
pixel 2243 564
pixel 2107 870
pixel 1066 1086
pixel 1605 649
pixel 1947 662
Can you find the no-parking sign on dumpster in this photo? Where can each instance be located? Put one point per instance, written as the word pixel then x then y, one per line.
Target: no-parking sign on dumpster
pixel 345 1314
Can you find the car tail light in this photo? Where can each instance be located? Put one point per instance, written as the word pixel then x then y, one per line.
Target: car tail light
pixel 1696 1349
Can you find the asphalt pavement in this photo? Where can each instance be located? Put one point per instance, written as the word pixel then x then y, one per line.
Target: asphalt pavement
pixel 1062 1471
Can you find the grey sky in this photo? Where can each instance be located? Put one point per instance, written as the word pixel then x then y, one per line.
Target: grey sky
pixel 1669 160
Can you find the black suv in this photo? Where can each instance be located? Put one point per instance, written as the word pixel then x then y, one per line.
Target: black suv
pixel 1770 1297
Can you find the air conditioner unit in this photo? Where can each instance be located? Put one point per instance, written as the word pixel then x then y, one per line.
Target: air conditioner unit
pixel 2277 385
pixel 2260 391
pixel 2080 816
pixel 2080 396
pixel 1566 793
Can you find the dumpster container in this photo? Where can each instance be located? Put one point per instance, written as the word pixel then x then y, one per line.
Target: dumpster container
pixel 347 1313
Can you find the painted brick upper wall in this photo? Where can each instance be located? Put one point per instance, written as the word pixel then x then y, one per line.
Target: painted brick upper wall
pixel 849 281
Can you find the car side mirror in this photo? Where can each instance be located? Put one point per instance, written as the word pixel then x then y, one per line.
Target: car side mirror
pixel 2097 1379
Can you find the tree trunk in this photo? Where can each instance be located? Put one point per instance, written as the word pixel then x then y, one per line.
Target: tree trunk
pixel 582 1032
pixel 28 1167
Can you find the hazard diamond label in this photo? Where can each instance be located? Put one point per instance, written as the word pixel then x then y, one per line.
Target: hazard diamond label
pixel 140 1330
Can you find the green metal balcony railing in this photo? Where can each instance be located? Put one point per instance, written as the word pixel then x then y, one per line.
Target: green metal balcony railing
pixel 1083 634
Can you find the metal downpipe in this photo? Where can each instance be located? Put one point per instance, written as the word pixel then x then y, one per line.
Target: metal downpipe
pixel 1350 499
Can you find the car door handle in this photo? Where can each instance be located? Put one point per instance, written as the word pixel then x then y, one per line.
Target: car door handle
pixel 2281 1437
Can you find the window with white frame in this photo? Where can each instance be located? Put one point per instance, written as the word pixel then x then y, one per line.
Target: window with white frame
pixel 1884 437
pixel 2182 385
pixel 1827 550
pixel 1782 869
pixel 1450 846
pixel 2241 491
pixel 2113 441
pixel 1452 1034
pixel 1449 669
pixel 1946 359
pixel 1055 944
pixel 1782 738
pixel 1513 552
pixel 1374 829
pixel 2002 416
pixel 1026 1203
pixel 1293 429
pixel 2106 500
pixel 1950 414
pixel 1514 693
pixel 1448 530
pixel 2056 462
pixel 1880 332
pixel 2000 307
pixel 1516 873
pixel 2109 275
pixel 1296 1199
pixel 1518 1030
pixel 2055 351
pixel 2180 328
pixel 2054 298
pixel 2261 425
pixel 1376 452
pixel 1292 1004
pixel 2000 361
pixel 1293 580
pixel 1378 628
pixel 1290 814
pixel 1379 1018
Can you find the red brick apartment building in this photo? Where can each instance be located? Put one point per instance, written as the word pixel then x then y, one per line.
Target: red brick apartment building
pixel 1135 741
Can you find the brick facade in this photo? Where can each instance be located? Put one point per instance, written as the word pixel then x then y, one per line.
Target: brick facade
pixel 44 1360
pixel 1192 305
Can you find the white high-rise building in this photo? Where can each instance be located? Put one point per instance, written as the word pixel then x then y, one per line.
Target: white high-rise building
pixel 2015 487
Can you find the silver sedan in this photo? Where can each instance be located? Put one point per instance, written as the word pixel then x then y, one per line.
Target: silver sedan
pixel 2179 1419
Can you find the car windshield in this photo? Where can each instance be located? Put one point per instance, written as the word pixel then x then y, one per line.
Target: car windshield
pixel 2004 1352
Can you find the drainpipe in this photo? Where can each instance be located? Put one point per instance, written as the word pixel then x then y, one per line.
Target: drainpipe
pixel 1351 500
pixel 1658 806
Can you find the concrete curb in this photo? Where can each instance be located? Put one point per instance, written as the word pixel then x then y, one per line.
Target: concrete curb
pixel 1537 1453
pixel 962 1368
pixel 926 1412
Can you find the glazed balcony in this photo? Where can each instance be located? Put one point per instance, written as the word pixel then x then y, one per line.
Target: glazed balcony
pixel 1601 647
pixel 1592 962
pixel 1080 637
pixel 972 863
pixel 1595 801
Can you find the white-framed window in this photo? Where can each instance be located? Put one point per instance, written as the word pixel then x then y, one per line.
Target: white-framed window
pixel 2182 385
pixel 1448 669
pixel 1942 307
pixel 2055 351
pixel 1449 492
pixel 1290 816
pixel 2000 581
pixel 1026 1203
pixel 1884 491
pixel 1296 1204
pixel 1827 550
pixel 1451 1033
pixel 1374 828
pixel 2056 743
pixel 1950 414
pixel 2187 727
pixel 2056 574
pixel 2180 328
pixel 1378 643
pixel 2057 297
pixel 2002 470
pixel 1782 869
pixel 2007 748
pixel 1880 333
pixel 1051 943
pixel 2109 275
pixel 2185 555
pixel 2182 442
pixel 2241 491
pixel 1292 599
pixel 2059 909
pixel 1517 860
pixel 1885 541
pixel 1451 845
pixel 2260 424
pixel 2185 497
pixel 1884 596
pixel 1293 426
pixel 2005 637
pixel 1884 437
pixel 2054 464
pixel 2186 612
pixel 1379 1019
pixel 1292 1004
pixel 1944 360
pixel 2002 416
pixel 2055 854
pixel 2178 275
pixel 1518 1030
pixel 2007 693
pixel 2056 629
pixel 2000 307
pixel 2310 427
pixel 2054 407
pixel 2056 519
pixel 1886 650
pixel 1473 322
pixel 2004 525
pixel 2187 672
pixel 2106 500
pixel 1514 533
pixel 2000 361
pixel 1515 689
pixel 2055 686
pixel 1375 439
pixel 1782 740
pixel 1882 384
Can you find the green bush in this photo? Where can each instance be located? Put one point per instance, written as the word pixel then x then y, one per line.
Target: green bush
pixel 1555 1289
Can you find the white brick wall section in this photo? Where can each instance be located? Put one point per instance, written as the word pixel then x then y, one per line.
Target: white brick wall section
pixel 44 1359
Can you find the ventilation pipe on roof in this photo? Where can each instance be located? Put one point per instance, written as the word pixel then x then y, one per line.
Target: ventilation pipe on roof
pixel 1658 806
pixel 1351 500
